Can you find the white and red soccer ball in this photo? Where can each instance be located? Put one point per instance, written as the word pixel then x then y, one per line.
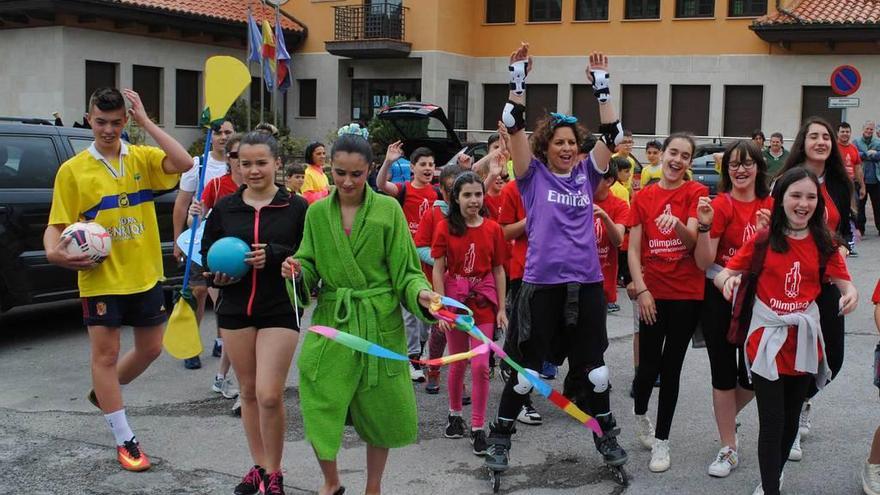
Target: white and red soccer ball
pixel 88 238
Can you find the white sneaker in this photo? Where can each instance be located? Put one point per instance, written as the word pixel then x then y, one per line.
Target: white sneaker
pixel 760 489
pixel 416 374
pixel 225 387
pixel 659 456
pixel 805 423
pixel 726 461
pixel 528 415
pixel 644 431
pixel 871 479
pixel 236 408
pixel 796 453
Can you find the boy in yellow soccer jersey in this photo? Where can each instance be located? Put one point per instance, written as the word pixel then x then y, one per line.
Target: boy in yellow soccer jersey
pixel 112 183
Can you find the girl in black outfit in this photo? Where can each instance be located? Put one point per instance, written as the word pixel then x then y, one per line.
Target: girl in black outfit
pixel 815 148
pixel 254 313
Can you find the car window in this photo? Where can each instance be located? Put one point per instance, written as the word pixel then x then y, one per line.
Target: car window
pixel 80 144
pixel 27 162
pixel 436 129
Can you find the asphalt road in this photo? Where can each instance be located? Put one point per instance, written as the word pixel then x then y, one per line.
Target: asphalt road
pixel 52 441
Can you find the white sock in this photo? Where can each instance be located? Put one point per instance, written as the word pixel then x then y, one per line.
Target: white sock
pixel 455 413
pixel 218 341
pixel 119 425
pixel 220 376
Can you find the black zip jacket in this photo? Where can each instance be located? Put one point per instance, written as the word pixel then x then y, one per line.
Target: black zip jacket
pixel 279 225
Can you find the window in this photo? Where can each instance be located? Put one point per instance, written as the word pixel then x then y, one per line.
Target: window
pixel 545 10
pixel 584 106
pixel 540 100
pixel 99 75
pixel 186 103
pixel 814 102
pixel 458 104
pixel 500 11
pixel 308 97
pixel 147 81
pixel 695 8
pixel 256 88
pixel 690 109
pixel 642 9
pixel 639 108
pixel 79 144
pixel 591 10
pixel 743 106
pixel 747 8
pixel 27 162
pixel 494 98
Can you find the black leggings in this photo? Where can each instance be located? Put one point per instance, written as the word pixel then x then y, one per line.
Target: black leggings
pixel 584 345
pixel 833 330
pixel 779 411
pixel 662 347
pixel 726 360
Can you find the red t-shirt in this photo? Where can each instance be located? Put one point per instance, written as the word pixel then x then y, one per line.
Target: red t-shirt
pixel 669 268
pixel 493 206
pixel 735 222
pixel 512 211
pixel 832 216
pixel 618 210
pixel 788 283
pixel 850 155
pixel 217 188
pixel 876 297
pixel 416 202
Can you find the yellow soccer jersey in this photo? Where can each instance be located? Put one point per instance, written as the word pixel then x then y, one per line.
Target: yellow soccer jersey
pixel 118 194
pixel 620 191
pixel 653 173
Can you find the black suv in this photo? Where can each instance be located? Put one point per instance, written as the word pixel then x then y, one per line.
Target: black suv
pixel 30 153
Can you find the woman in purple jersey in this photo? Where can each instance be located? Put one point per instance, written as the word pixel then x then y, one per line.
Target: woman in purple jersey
pixel 560 310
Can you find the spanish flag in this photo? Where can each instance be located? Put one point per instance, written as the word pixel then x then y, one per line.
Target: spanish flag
pixel 268 53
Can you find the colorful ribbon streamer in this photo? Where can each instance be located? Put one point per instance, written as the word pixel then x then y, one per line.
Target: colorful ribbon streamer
pixel 365 346
pixel 464 321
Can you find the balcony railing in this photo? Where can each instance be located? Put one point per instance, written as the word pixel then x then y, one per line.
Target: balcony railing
pixel 374 21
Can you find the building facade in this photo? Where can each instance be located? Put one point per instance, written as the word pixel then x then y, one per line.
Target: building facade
pixel 711 67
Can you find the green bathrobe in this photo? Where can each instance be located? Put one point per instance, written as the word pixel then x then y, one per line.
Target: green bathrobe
pixel 366 276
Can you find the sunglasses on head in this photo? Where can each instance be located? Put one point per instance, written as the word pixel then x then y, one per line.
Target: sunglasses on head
pixel 233 155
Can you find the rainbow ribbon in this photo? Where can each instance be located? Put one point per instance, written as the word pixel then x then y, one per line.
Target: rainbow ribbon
pixel 367 347
pixel 464 320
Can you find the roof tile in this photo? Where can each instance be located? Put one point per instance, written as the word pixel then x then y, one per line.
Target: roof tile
pixel 224 10
pixel 826 12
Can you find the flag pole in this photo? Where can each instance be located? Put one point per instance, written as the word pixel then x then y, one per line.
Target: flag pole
pixel 276 92
pixel 248 59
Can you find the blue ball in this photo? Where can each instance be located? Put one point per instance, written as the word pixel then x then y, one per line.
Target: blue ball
pixel 227 256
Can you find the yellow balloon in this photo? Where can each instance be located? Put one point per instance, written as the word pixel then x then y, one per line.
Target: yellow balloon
pixel 225 79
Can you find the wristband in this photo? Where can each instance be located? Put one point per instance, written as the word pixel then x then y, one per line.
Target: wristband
pixel 601 85
pixel 704 227
pixel 639 293
pixel 518 71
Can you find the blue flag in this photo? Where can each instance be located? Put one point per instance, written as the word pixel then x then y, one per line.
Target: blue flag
pixel 282 58
pixel 255 40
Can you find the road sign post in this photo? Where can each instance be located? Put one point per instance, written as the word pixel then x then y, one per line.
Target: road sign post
pixel 845 81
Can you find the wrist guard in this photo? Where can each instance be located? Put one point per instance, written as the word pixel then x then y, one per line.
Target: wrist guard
pixel 518 76
pixel 601 85
pixel 611 134
pixel 514 116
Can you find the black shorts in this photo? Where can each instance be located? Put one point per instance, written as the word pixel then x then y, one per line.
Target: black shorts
pixel 238 322
pixel 726 361
pixel 144 309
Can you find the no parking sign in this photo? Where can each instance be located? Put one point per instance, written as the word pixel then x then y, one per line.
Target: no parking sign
pixel 845 80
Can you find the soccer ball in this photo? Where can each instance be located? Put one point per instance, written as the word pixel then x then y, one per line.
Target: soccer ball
pixel 88 238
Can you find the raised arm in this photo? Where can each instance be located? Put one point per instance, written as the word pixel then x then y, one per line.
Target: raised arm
pixel 177 159
pixel 609 126
pixel 514 114
pixel 392 154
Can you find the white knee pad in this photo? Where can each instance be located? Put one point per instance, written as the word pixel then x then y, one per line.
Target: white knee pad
pixel 599 377
pixel 523 385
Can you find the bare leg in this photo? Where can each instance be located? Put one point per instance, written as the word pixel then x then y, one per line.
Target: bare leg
pixel 200 292
pixel 874 457
pixel 376 459
pixel 743 397
pixel 241 345
pixel 331 477
pixel 105 379
pixel 274 353
pixel 724 402
pixel 147 347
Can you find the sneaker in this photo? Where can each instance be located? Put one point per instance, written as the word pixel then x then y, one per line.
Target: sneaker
pixel 805 422
pixel 225 387
pixel 548 371
pixel 852 251
pixel 131 457
pixel 478 439
pixel 236 408
pixel 192 363
pixel 871 479
pixel 645 431
pixel 454 427
pixel 529 416
pixel 250 484
pixel 613 307
pixel 796 453
pixel 659 456
pixel 726 461
pixel 416 374
pixel 760 489
pixel 465 398
pixel 218 348
pixel 273 484
pixel 93 398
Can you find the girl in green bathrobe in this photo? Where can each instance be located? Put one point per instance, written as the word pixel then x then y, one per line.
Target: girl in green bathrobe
pixel 357 243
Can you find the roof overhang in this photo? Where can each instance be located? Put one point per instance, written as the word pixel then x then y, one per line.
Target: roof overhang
pixel 817 33
pixel 371 48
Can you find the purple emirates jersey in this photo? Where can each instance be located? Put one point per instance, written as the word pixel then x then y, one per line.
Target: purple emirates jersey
pixel 559 224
